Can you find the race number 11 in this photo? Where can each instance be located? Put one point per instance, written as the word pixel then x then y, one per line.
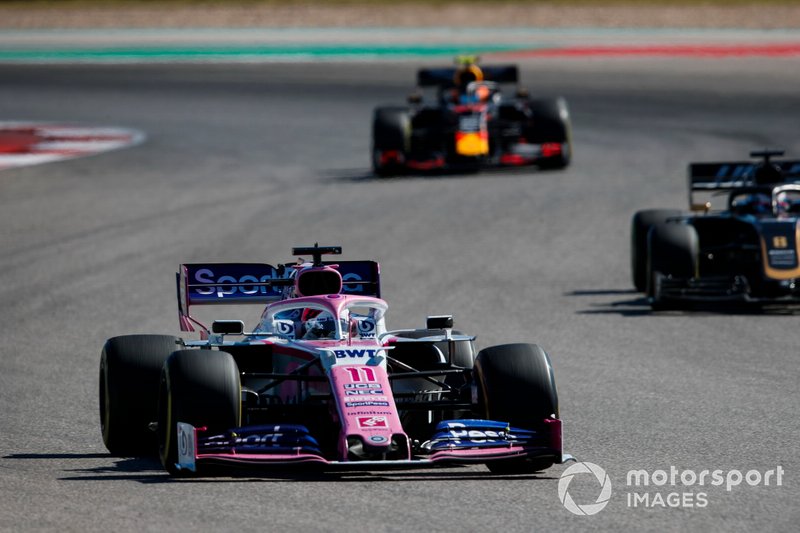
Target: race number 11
pixel 361 373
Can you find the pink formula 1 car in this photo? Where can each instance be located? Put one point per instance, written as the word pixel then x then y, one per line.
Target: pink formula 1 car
pixel 319 380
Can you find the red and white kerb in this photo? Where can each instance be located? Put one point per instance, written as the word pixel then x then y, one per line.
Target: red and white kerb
pixel 33 143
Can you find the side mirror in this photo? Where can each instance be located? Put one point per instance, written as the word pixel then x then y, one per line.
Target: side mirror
pixel 440 322
pixel 706 207
pixel 228 327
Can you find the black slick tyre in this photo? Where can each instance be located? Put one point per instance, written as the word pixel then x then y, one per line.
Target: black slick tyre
pixel 673 252
pixel 391 131
pixel 552 124
pixel 130 367
pixel 516 385
pixel 201 388
pixel 641 223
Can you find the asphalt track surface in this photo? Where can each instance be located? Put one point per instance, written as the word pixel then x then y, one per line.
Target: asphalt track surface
pixel 244 161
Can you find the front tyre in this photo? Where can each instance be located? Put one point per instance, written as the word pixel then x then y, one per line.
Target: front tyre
pixel 201 388
pixel 130 367
pixel 391 133
pixel 641 223
pixel 672 252
pixel 551 124
pixel 517 385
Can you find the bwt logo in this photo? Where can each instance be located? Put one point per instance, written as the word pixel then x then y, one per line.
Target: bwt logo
pixel 589 508
pixel 352 288
pixel 341 354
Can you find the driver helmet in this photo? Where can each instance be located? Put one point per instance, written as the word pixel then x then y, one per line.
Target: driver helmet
pixel 784 203
pixel 320 325
pixel 482 92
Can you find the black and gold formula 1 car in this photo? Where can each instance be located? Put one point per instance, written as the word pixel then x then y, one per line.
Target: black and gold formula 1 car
pixel 739 243
pixel 473 120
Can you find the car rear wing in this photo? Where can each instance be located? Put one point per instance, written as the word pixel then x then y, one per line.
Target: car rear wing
pixel 259 283
pixel 727 176
pixel 445 77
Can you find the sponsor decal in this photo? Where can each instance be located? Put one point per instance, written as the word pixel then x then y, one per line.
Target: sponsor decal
pixel 369 392
pixel 469 123
pixel 231 285
pixel 780 249
pixel 370 403
pixel 782 258
pixel 780 241
pixel 366 328
pixel 355 353
pixel 373 422
pixel 357 289
pixel 284 327
pixel 472 137
pixel 183 442
pixel 362 385
pixel 32 143
pixel 477 436
pixel 371 398
pixel 259 440
pixel 378 438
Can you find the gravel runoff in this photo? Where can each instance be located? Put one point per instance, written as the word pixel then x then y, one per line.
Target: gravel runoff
pixel 480 14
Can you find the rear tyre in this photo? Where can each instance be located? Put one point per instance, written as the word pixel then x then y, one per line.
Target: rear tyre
pixel 517 385
pixel 391 132
pixel 130 367
pixel 201 388
pixel 673 251
pixel 552 124
pixel 640 226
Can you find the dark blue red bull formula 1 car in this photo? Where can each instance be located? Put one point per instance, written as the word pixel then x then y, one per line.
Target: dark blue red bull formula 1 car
pixel 476 119
pixel 321 381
